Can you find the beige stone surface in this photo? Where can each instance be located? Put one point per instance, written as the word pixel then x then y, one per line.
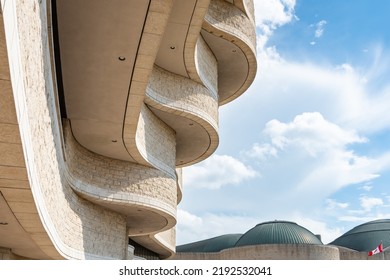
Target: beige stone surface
pixel 268 252
pixel 73 224
pixel 144 195
pixel 232 37
pixel 68 202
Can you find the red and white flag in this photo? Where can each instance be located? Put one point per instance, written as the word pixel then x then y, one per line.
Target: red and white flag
pixel 377 250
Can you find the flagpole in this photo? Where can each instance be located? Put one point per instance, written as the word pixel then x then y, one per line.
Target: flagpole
pixel 383 251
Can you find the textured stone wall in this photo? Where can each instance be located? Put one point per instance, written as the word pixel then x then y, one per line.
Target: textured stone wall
pixel 168 238
pixel 192 39
pixel 115 177
pixel 78 228
pixel 156 21
pixel 177 93
pixel 5 253
pixel 233 23
pixel 269 252
pixel 348 254
pixel 207 67
pixel 81 228
pixel 227 17
pixel 250 9
pixel 282 252
pixel 156 141
pixel 112 183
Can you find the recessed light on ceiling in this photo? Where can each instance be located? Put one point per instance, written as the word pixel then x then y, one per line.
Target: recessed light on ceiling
pixel 122 58
pixel 172 47
pixel 3 223
pixel 191 124
pixel 114 141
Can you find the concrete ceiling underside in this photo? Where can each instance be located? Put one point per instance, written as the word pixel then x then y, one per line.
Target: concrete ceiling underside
pixel 98 49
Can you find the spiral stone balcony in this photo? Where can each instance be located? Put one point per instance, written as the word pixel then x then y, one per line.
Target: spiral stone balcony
pixel 112 98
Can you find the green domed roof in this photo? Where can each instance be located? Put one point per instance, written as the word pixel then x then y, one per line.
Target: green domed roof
pixel 278 232
pixel 214 244
pixel 366 237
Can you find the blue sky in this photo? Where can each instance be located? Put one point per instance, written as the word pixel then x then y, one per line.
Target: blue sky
pixel 309 141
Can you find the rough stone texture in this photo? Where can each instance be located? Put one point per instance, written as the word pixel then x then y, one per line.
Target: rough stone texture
pixel 348 254
pixel 183 95
pixel 179 175
pixel 207 67
pixel 82 229
pixel 230 23
pixel 227 17
pixel 250 9
pixel 5 253
pixel 112 183
pixel 156 141
pixel 193 38
pixel 268 252
pixel 78 228
pixel 151 38
pixel 167 237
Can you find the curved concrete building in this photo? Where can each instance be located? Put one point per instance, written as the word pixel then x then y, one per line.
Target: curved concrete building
pixel 102 102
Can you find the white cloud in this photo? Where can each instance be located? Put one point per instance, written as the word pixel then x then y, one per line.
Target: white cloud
pixel 333 204
pixel 363 218
pixel 328 234
pixel 274 12
pixel 320 28
pixel 193 228
pixel 317 115
pixel 311 132
pixel 342 93
pixel 262 151
pixel 323 162
pixel 367 188
pixel 271 14
pixel 367 203
pixel 217 171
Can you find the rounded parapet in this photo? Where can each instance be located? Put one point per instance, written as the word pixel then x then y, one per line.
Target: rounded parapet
pixel 149 44
pixel 156 141
pixel 146 196
pixel 231 35
pixel 190 109
pixel 206 66
pixel 281 252
pixel 162 243
pixel 179 176
pixel 247 7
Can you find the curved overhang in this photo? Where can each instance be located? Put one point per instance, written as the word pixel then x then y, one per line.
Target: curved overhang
pixel 230 33
pixel 107 55
pixel 98 49
pixel 126 188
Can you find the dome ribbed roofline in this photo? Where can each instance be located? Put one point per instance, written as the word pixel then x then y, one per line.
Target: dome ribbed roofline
pixel 366 237
pixel 278 232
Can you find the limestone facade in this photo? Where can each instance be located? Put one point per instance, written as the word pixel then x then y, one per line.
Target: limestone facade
pixel 77 186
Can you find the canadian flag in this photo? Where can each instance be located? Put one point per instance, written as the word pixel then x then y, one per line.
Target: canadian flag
pixel 377 250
